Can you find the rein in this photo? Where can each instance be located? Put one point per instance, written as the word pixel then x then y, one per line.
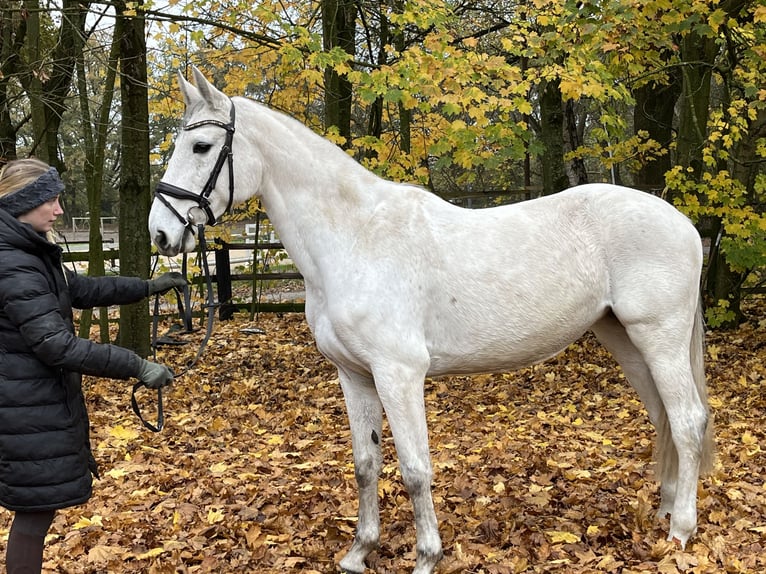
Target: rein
pixel 202 200
pixel 185 311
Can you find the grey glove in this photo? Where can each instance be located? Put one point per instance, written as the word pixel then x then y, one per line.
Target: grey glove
pixel 166 282
pixel 155 375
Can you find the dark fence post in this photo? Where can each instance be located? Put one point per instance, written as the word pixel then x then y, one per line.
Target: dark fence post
pixel 223 279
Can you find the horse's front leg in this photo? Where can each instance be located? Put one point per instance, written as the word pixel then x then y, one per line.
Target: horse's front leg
pixel 401 391
pixel 366 421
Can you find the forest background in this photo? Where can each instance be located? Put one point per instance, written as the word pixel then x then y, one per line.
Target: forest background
pixel 481 102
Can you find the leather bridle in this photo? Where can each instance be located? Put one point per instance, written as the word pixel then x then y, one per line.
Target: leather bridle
pixel 202 199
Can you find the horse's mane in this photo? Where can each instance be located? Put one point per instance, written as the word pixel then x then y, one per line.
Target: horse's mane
pixel 305 136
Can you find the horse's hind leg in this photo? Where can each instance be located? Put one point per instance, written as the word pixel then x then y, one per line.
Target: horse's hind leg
pixel 613 336
pixel 365 419
pixel 666 348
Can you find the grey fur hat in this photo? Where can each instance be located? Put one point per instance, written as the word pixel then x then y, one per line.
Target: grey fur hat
pixel 44 188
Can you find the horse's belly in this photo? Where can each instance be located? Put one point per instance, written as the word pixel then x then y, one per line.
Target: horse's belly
pixel 483 348
pixel 490 359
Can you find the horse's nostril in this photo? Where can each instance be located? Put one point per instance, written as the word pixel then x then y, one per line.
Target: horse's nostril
pixel 161 240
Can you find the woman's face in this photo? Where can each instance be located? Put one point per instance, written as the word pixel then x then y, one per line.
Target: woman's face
pixel 42 217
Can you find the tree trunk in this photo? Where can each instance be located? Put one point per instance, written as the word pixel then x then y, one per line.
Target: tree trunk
pixel 573 133
pixel 12 35
pixel 699 54
pixel 653 114
pixel 393 35
pixel 47 83
pixel 135 244
pixel 338 28
pixel 723 282
pixel 95 146
pixel 7 131
pixel 57 87
pixel 405 115
pixel 375 115
pixel 552 137
pixel 33 83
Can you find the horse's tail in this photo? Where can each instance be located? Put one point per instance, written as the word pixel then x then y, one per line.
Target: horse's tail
pixel 667 455
pixel 697 357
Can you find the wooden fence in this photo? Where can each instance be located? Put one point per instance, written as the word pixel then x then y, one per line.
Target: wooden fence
pixel 223 277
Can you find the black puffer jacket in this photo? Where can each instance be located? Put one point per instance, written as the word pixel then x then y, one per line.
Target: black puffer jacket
pixel 45 457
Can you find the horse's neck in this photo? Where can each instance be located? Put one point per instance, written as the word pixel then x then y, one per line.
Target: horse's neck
pixel 314 221
pixel 315 196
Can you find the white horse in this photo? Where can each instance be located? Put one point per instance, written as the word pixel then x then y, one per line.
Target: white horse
pixel 401 285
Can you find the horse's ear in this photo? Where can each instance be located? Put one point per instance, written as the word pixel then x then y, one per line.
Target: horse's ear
pixel 189 91
pixel 212 96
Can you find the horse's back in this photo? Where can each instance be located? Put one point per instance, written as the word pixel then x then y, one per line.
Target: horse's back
pixel 542 272
pixel 622 210
pixel 653 252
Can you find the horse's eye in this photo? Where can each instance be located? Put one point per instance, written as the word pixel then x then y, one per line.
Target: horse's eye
pixel 201 147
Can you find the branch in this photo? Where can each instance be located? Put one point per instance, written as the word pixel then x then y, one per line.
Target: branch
pixel 261 39
pixel 481 33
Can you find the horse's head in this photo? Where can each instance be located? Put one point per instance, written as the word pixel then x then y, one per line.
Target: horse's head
pixel 191 192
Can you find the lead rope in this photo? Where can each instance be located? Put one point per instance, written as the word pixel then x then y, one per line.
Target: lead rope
pixel 139 384
pixel 185 311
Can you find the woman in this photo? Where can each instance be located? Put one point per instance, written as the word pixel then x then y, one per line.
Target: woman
pixel 45 456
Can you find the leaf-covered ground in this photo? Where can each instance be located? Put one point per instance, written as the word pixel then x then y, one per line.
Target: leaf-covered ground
pixel 548 469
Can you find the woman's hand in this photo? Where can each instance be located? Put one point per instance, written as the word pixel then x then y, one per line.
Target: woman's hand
pixel 155 375
pixel 166 282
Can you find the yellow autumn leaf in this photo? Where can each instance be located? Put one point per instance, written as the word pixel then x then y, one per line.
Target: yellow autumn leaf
pixel 219 467
pixel 84 522
pixel 576 474
pixel 120 432
pixel 562 537
pixel 150 553
pixel 214 516
pixel 116 473
pixel 141 492
pixel 748 438
pixel 571 89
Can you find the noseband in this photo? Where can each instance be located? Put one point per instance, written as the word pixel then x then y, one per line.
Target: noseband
pixel 202 199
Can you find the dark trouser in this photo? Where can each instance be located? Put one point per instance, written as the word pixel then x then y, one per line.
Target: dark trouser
pixel 24 554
